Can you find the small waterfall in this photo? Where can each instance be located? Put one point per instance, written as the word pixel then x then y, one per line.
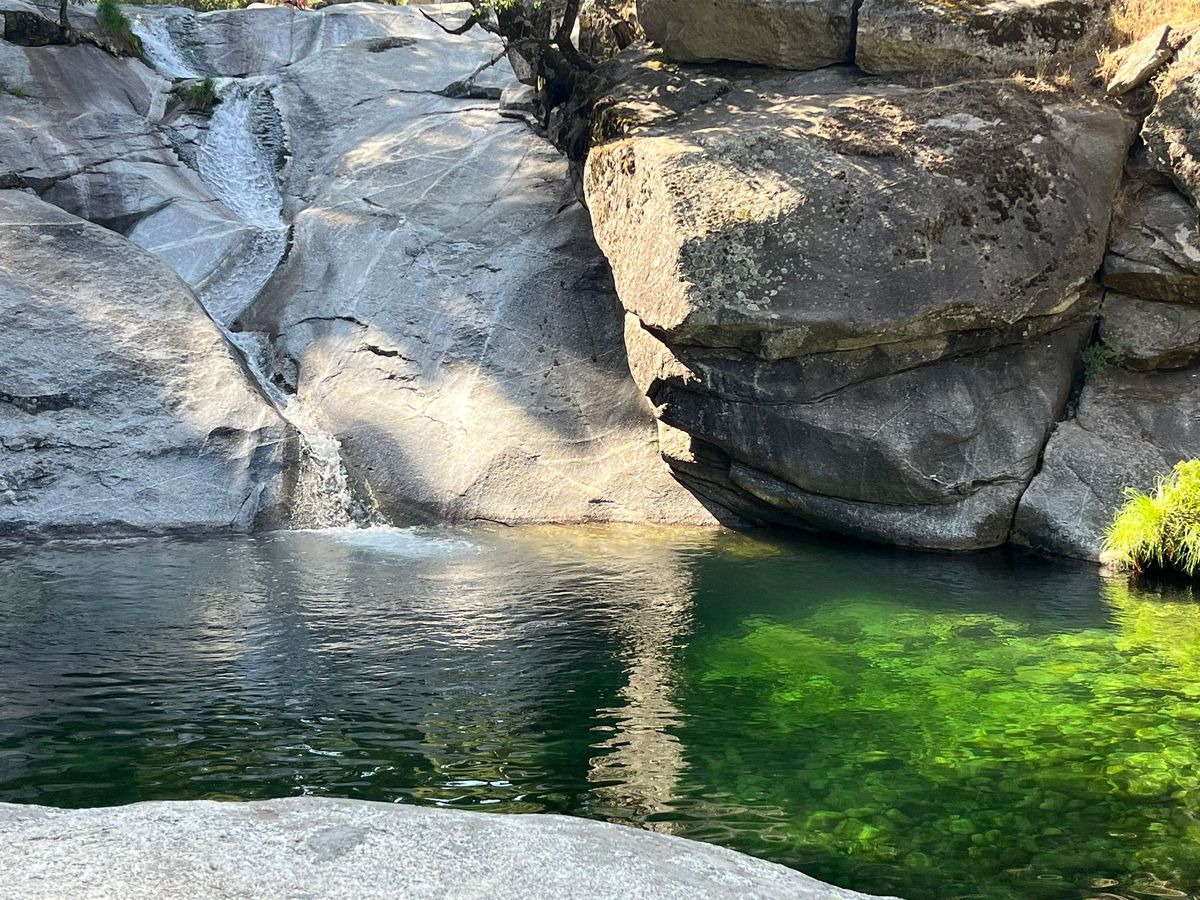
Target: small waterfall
pixel 323 497
pixel 237 161
pixel 160 48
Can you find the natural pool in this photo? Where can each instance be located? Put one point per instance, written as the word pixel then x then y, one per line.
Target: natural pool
pixel 927 726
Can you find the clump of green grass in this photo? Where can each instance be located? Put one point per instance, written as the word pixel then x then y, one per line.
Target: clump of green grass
pixel 13 90
pixel 1099 356
pixel 1160 531
pixel 115 25
pixel 201 95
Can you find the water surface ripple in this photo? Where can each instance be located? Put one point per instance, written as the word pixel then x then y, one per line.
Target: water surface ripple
pixel 928 726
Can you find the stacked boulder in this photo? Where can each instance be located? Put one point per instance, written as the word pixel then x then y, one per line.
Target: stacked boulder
pixel 869 307
pixel 1139 412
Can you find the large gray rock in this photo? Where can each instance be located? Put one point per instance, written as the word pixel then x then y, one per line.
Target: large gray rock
pixel 790 34
pixel 122 406
pixel 863 303
pixel 1130 429
pixel 444 309
pixel 1151 334
pixel 997 36
pixel 336 849
pixel 1172 130
pixel 1154 248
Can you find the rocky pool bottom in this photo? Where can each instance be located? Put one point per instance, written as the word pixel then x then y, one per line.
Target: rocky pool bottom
pixel 993 726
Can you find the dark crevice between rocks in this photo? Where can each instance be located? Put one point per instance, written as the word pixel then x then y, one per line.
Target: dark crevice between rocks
pixel 854 11
pixel 38 403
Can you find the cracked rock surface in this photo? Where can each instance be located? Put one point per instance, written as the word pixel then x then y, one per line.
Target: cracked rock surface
pixel 855 305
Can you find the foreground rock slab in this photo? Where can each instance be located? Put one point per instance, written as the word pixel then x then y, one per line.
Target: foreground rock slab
pixel 122 406
pixel 307 847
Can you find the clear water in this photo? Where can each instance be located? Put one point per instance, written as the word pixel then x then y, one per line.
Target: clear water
pixel 926 726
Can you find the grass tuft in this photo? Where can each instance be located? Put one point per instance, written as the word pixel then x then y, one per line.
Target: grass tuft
pixel 201 95
pixel 1160 531
pixel 1131 20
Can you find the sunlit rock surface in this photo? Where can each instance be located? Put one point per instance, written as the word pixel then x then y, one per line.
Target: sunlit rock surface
pixel 437 304
pixel 350 849
pixel 998 36
pixel 122 406
pixel 1172 130
pixel 791 34
pixel 862 303
pixel 445 307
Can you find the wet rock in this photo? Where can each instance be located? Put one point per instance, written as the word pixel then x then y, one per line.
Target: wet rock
pixel 1172 130
pixel 1131 428
pixel 122 406
pixel 1150 334
pixel 445 307
pixel 790 34
pixel 997 36
pixel 1154 248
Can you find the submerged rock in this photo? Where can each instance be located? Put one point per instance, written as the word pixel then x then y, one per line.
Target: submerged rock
pixel 122 406
pixel 862 302
pixel 790 34
pixel 997 36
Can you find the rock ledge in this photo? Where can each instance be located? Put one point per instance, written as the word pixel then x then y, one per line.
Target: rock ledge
pixel 308 847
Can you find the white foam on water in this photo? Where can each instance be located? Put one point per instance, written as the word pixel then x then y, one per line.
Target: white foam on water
pixel 160 48
pixel 393 541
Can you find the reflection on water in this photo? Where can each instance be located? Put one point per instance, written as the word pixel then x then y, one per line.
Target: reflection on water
pixel 929 726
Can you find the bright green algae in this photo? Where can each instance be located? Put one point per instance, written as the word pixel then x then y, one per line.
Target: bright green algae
pixel 945 754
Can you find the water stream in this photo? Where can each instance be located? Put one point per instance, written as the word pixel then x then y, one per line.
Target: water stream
pixel 238 161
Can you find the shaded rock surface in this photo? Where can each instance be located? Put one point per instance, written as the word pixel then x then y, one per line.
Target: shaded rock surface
pixel 1154 249
pixel 1150 334
pixel 1131 427
pixel 791 34
pixel 351 849
pixel 122 406
pixel 998 36
pixel 905 397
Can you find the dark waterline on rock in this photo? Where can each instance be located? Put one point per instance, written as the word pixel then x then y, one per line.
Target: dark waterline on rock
pixel 927 726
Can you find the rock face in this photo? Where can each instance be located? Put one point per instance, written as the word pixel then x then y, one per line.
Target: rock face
pixel 1138 414
pixel 1172 130
pixel 905 397
pixel 122 406
pixel 430 298
pixel 444 305
pixel 1130 428
pixel 791 34
pixel 350 849
pixel 997 36
pixel 1154 251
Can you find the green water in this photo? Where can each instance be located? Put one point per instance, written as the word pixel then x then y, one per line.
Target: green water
pixel 926 726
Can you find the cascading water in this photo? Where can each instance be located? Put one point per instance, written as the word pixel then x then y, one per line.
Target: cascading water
pixel 237 161
pixel 160 48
